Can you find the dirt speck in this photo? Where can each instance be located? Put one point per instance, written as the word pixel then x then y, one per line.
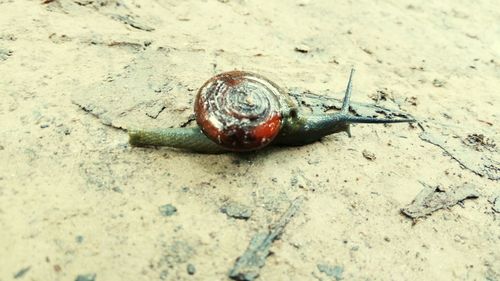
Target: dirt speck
pixel 168 210
pixel 369 155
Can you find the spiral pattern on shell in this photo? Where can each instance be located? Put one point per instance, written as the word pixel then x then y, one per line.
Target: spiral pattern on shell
pixel 239 110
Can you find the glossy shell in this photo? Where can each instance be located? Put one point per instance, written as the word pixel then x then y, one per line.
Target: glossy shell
pixel 239 110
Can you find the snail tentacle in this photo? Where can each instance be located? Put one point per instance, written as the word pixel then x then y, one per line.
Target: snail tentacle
pixel 347 101
pixel 350 119
pixel 306 129
pixel 348 92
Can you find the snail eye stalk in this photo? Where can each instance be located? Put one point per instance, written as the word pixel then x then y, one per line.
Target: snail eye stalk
pixel 349 118
pixel 348 93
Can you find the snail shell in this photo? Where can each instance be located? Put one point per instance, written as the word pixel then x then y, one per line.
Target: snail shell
pixel 240 110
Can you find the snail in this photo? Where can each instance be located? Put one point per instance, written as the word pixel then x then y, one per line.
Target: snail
pixel 243 111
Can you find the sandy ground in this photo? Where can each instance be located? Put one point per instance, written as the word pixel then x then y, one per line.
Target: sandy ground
pixel 76 199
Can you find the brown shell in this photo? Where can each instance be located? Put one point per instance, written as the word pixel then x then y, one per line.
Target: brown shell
pixel 239 110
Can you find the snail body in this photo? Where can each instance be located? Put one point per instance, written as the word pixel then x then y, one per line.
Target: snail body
pixel 243 111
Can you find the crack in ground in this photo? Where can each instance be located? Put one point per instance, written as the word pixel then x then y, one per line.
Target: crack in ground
pixel 489 170
pixel 91 109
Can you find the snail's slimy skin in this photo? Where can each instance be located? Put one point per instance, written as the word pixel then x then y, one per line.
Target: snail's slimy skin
pixel 183 138
pixel 219 134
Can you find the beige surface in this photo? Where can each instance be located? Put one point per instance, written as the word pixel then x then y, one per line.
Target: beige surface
pixel 78 177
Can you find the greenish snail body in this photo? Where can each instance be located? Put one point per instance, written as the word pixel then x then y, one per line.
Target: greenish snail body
pixel 243 111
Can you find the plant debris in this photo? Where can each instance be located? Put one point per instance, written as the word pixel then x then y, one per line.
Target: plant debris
pixel 22 272
pixel 247 266
pixel 433 198
pixel 479 142
pixel 236 210
pixel 129 20
pixel 334 272
pixel 495 202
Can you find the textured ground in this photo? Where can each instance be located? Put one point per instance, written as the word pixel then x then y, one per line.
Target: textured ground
pixel 75 199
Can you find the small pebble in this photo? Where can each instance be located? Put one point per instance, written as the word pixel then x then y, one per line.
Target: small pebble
pixel 86 277
pixel 412 100
pixel 79 239
pixel 191 269
pixel 168 210
pixel 163 275
pixel 302 49
pixel 313 162
pixel 369 155
pixel 368 51
pixel 438 83
pixel 4 54
pixel 331 271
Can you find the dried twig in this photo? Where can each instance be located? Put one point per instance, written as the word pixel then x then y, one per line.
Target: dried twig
pixel 247 266
pixel 433 198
